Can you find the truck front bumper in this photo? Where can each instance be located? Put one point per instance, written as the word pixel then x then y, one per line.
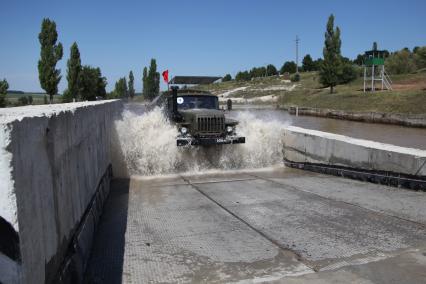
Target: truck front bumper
pixel 183 141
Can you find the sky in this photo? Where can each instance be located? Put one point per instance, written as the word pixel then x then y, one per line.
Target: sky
pixel 195 37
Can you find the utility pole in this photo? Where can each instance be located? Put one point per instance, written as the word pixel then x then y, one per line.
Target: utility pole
pixel 297 54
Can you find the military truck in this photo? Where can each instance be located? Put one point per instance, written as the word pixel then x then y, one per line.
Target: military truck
pixel 199 119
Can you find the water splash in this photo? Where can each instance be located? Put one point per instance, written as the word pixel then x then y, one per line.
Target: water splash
pixel 145 144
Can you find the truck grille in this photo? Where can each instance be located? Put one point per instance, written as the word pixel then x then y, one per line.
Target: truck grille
pixel 211 125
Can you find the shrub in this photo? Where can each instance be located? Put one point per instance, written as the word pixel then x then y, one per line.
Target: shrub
pixel 400 62
pixel 67 96
pixel 243 76
pixel 420 57
pixel 3 101
pixel 308 64
pixel 289 67
pixel 30 99
pixel 3 91
pixel 349 73
pixel 295 77
pixel 256 72
pixel 271 70
pixel 23 100
pixel 227 78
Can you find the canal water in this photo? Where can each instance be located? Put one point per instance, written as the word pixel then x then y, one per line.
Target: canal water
pixel 386 133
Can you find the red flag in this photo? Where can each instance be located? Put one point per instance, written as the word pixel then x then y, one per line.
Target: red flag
pixel 166 76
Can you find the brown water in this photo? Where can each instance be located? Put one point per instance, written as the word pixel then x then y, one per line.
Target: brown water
pixel 385 133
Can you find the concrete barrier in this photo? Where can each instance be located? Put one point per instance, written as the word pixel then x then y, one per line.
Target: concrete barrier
pixel 310 147
pixel 55 166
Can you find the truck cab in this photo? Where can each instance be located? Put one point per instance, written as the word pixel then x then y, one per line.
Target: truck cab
pixel 199 119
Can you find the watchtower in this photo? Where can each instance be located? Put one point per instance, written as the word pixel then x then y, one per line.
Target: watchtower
pixel 374 70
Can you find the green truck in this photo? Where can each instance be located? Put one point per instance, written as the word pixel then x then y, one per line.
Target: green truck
pixel 199 119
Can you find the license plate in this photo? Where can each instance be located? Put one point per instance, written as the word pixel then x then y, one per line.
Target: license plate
pixel 220 140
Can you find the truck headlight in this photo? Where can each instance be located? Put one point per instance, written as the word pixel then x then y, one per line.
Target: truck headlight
pixel 183 130
pixel 229 129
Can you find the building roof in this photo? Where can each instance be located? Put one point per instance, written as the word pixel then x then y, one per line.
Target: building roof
pixel 193 80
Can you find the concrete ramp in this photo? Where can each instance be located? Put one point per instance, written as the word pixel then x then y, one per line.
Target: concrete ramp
pixel 259 226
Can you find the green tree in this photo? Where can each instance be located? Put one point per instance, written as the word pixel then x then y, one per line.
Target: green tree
pixel 332 64
pixel 420 57
pixel 295 77
pixel 400 62
pixel 152 83
pixel 91 83
pixel 256 72
pixel 243 76
pixel 348 73
pixel 50 54
pixel 271 70
pixel 120 90
pixel 23 100
pixel 318 64
pixel 73 70
pixel 4 86
pixel 145 82
pixel 307 63
pixel 101 84
pixel 359 60
pixel 131 85
pixel 288 66
pixel 227 78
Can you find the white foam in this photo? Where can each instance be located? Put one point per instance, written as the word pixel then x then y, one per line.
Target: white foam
pixel 147 143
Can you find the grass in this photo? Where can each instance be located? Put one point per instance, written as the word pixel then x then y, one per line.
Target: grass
pixel 139 99
pixel 408 96
pixel 38 99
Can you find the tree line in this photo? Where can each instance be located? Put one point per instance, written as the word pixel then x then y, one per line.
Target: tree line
pixel 84 81
pixel 150 84
pixel 406 61
pixel 87 83
pixel 308 64
pixel 333 67
pixel 270 70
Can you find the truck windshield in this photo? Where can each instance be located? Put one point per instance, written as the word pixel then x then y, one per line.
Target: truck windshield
pixel 189 102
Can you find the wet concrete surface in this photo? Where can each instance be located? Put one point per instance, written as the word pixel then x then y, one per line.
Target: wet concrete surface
pixel 279 226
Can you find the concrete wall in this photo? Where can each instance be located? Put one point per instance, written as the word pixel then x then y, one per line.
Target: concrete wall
pixel 311 146
pixel 52 161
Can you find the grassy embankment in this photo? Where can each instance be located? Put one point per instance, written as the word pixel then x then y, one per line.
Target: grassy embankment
pixel 408 94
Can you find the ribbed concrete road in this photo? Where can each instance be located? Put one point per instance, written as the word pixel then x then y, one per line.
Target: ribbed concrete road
pixel 281 226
